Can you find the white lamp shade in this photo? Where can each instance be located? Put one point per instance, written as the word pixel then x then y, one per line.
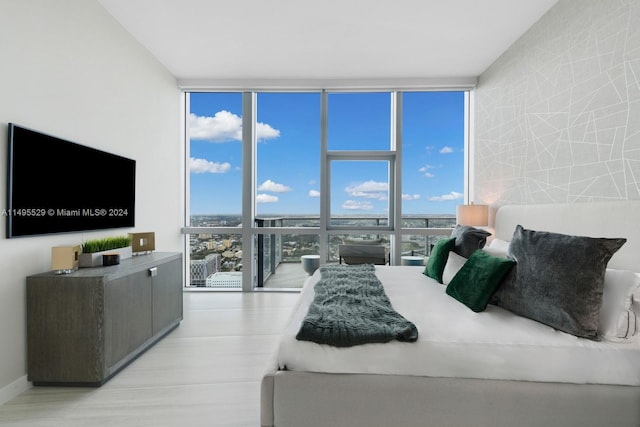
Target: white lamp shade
pixel 472 215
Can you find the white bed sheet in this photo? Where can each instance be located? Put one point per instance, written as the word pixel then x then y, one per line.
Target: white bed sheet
pixel 456 342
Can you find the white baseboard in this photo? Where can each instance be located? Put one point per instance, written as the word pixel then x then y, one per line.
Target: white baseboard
pixel 14 389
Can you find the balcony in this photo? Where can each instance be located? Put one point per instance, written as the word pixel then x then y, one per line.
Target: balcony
pixel 216 259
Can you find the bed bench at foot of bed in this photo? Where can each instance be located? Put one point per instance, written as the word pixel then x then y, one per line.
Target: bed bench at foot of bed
pixel 304 399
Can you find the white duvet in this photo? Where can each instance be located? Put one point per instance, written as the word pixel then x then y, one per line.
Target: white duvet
pixel 456 342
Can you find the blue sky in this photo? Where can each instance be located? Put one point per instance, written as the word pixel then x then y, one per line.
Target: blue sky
pixel 288 152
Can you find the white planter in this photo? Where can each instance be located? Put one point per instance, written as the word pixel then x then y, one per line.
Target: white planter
pixel 95 259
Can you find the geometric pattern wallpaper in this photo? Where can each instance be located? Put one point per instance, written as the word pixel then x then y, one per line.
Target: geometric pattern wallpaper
pixel 557 116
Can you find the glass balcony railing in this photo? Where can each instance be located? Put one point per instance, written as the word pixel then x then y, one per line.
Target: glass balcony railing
pixel 216 258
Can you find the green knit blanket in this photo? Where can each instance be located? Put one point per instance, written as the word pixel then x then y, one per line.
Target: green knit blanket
pixel 350 308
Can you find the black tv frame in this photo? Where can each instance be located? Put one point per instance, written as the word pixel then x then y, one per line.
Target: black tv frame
pixel 58 186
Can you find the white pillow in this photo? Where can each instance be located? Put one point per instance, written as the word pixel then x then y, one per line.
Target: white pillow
pixel 453 265
pixel 618 320
pixel 497 248
pixel 495 252
pixel 499 244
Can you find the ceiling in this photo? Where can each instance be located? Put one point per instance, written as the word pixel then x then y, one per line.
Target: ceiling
pixel 209 41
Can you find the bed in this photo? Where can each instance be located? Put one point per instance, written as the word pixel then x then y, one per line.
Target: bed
pixel 487 368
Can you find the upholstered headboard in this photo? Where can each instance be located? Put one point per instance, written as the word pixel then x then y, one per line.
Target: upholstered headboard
pixel 597 219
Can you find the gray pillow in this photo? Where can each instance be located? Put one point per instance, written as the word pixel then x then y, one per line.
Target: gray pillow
pixel 468 239
pixel 558 279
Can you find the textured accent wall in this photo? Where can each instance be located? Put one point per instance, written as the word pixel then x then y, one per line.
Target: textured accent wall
pixel 558 114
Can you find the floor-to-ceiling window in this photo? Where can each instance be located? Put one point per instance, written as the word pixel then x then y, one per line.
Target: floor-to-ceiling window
pixel 287 183
pixel 214 181
pixel 316 168
pixel 433 159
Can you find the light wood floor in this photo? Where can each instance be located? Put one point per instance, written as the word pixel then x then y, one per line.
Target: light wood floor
pixel 205 373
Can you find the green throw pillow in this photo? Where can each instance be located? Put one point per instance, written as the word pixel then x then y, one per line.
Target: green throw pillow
pixel 478 279
pixel 438 258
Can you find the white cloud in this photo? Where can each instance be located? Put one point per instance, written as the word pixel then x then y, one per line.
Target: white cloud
pixel 354 205
pixel 225 126
pixel 425 170
pixel 410 196
pixel 314 193
pixel 264 131
pixel 447 197
pixel 369 190
pixel 206 166
pixel 446 150
pixel 266 198
pixel 274 187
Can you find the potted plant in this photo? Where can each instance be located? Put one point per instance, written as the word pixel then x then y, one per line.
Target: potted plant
pixel 93 249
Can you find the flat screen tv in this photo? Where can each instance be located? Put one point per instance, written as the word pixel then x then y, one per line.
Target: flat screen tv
pixel 59 186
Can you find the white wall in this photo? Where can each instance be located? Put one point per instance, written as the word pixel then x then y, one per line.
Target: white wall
pixel 558 114
pixel 69 70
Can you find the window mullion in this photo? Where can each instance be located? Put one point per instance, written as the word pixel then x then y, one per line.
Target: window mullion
pixel 248 188
pixel 395 196
pixel 324 177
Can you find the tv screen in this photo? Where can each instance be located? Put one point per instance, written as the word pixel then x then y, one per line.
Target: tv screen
pixel 59 186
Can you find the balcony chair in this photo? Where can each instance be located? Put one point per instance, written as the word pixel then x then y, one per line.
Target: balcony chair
pixel 363 254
